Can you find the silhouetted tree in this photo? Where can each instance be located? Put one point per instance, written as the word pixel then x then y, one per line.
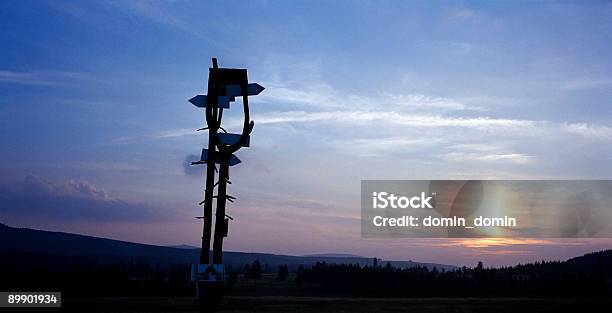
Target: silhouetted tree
pixel 583 276
pixel 299 276
pixel 388 267
pixel 232 278
pixel 253 271
pixel 283 272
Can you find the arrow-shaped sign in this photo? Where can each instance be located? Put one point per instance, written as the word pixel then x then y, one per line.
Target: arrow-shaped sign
pixel 200 101
pixel 230 139
pixel 236 90
pixel 251 125
pixel 232 161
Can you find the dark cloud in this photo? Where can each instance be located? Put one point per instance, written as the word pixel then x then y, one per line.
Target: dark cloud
pixel 37 198
pixel 192 170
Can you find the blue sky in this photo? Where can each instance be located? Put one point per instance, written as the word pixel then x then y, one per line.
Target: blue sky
pixel 95 127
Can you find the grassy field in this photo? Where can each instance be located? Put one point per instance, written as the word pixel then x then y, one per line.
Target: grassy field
pixel 270 295
pixel 238 304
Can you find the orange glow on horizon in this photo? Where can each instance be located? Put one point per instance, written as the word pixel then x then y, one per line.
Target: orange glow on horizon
pixel 494 242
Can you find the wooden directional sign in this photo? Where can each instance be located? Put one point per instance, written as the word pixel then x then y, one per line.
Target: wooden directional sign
pixel 230 139
pixel 208 272
pixel 236 90
pixel 200 101
pixel 233 159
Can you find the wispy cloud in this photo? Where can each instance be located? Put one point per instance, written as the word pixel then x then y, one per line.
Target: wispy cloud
pixel 154 11
pixel 461 14
pixel 390 117
pixel 450 48
pixel 434 121
pixel 588 130
pixel 42 78
pixel 457 139
pixel 420 101
pixel 583 83
pixel 180 132
pixel 382 146
pixel 165 13
pixel 518 158
pixel 323 96
pixel 321 104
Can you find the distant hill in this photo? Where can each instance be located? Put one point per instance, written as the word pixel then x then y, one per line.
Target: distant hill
pixel 585 276
pixel 334 255
pixel 108 251
pixel 84 265
pixel 183 247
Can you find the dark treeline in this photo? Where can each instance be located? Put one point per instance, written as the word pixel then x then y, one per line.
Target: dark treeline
pixel 588 276
pixel 84 276
pixel 87 276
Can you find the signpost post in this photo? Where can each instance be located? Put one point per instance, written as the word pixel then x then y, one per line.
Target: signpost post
pixel 224 85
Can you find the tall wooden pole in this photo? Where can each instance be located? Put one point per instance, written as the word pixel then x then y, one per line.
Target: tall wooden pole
pixel 210 173
pixel 220 219
pixel 224 86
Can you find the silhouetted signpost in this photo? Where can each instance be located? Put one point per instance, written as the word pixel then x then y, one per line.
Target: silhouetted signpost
pixel 224 85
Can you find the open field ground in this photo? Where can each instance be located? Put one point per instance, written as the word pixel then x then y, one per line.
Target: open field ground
pixel 238 304
pixel 270 295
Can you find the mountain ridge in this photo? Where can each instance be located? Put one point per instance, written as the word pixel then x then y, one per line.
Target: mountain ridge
pixel 26 240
